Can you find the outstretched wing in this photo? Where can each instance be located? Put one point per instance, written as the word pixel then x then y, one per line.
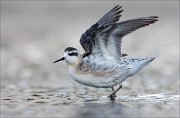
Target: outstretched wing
pixel 104 37
pixel 108 41
pixel 87 38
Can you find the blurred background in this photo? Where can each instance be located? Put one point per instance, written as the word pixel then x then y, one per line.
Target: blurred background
pixel 35 33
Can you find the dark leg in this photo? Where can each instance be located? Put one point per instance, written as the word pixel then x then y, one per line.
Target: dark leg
pixel 113 95
pixel 120 86
pixel 113 91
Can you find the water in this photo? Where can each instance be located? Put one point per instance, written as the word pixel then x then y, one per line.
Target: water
pixel 35 33
pixel 69 103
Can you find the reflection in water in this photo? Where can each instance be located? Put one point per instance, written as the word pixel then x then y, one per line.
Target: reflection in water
pixel 34 31
pixel 129 106
pixel 67 103
pixel 101 110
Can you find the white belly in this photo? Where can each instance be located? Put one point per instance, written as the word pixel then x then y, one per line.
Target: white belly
pixel 120 73
pixel 93 81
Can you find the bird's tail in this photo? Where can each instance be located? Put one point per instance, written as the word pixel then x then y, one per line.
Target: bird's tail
pixel 138 64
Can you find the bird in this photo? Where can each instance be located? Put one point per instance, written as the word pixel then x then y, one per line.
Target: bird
pixel 103 65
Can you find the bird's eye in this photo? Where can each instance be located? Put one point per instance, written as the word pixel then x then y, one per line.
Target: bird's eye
pixel 73 54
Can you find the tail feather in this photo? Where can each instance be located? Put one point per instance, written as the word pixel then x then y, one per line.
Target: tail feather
pixel 140 64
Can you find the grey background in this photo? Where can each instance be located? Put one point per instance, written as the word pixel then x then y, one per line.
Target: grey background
pixel 35 33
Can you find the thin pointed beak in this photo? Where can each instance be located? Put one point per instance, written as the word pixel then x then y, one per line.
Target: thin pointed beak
pixel 59 60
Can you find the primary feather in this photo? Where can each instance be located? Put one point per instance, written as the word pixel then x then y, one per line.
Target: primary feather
pixel 88 38
pixel 105 36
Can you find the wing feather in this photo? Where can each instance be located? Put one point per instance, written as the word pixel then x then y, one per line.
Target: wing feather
pixel 105 36
pixel 87 38
pixel 126 27
pixel 112 35
pixel 111 17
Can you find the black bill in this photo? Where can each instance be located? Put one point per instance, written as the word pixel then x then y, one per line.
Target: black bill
pixel 59 60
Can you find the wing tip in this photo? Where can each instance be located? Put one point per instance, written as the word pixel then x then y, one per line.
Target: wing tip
pixel 118 6
pixel 155 18
pixel 111 17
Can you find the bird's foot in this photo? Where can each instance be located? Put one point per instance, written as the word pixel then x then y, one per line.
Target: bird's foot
pixel 112 97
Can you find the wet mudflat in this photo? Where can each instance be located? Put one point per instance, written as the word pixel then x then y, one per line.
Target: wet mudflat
pixel 41 102
pixel 35 33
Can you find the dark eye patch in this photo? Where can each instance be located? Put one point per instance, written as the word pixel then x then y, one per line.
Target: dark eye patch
pixel 73 54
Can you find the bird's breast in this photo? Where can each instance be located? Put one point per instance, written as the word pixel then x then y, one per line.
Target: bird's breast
pixel 89 79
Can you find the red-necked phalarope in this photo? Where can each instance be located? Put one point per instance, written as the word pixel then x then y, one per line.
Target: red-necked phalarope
pixel 103 65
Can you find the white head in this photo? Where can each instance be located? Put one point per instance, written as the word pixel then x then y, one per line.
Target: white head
pixel 71 56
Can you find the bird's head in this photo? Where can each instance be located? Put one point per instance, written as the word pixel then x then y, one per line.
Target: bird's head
pixel 71 56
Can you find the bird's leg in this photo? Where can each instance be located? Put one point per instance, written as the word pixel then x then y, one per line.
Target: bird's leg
pixel 113 91
pixel 113 95
pixel 120 86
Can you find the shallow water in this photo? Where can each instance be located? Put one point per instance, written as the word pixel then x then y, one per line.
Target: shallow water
pixel 69 103
pixel 35 33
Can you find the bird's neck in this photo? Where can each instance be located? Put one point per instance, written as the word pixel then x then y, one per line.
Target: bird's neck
pixel 74 69
pixel 75 66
